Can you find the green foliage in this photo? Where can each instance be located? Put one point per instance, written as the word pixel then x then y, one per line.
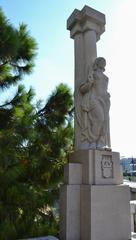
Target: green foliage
pixel 17 51
pixel 34 143
pixel 33 151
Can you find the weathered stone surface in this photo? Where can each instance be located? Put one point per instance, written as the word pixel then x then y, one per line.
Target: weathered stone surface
pixel 87 19
pixel 70 212
pixel 91 97
pixel 99 167
pixel 96 207
pixel 73 173
pixel 92 103
pixel 105 212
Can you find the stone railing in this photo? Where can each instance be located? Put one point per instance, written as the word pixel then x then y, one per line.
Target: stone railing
pixel 133 217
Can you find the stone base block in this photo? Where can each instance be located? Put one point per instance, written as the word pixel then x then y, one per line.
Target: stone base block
pixel 70 212
pixel 99 167
pixel 93 204
pixel 105 212
pixel 73 173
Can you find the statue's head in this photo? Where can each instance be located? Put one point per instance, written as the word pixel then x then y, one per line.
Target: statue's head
pixel 99 63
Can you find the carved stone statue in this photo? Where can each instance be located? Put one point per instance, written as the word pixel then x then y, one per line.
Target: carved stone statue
pixel 92 108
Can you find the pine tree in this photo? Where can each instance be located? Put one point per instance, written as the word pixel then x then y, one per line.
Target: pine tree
pixel 17 52
pixel 34 142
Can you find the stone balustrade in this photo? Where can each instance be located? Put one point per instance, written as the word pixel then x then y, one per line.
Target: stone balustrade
pixel 133 216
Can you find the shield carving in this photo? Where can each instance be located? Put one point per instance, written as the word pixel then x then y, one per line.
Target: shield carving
pixel 107 166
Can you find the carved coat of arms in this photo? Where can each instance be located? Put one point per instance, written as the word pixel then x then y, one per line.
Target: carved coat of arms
pixel 107 166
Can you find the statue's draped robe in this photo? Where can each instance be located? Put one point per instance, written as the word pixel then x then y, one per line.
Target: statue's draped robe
pixel 92 111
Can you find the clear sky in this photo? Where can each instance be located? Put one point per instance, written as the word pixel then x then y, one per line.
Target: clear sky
pixel 46 20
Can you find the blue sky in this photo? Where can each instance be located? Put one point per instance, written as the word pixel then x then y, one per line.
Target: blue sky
pixel 46 20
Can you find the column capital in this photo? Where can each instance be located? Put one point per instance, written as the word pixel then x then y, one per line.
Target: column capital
pixel 84 20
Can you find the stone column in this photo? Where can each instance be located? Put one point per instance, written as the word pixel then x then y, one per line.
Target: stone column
pixel 90 49
pixel 94 203
pixel 85 27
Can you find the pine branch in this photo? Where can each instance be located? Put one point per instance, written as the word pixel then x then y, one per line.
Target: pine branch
pixel 6 104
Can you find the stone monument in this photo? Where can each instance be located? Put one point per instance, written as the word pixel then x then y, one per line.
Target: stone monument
pixel 94 203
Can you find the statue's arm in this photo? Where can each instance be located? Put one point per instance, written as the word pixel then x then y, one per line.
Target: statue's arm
pixel 85 87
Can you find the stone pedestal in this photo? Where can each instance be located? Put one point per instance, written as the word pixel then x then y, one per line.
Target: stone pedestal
pixel 105 212
pixel 98 167
pixel 94 203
